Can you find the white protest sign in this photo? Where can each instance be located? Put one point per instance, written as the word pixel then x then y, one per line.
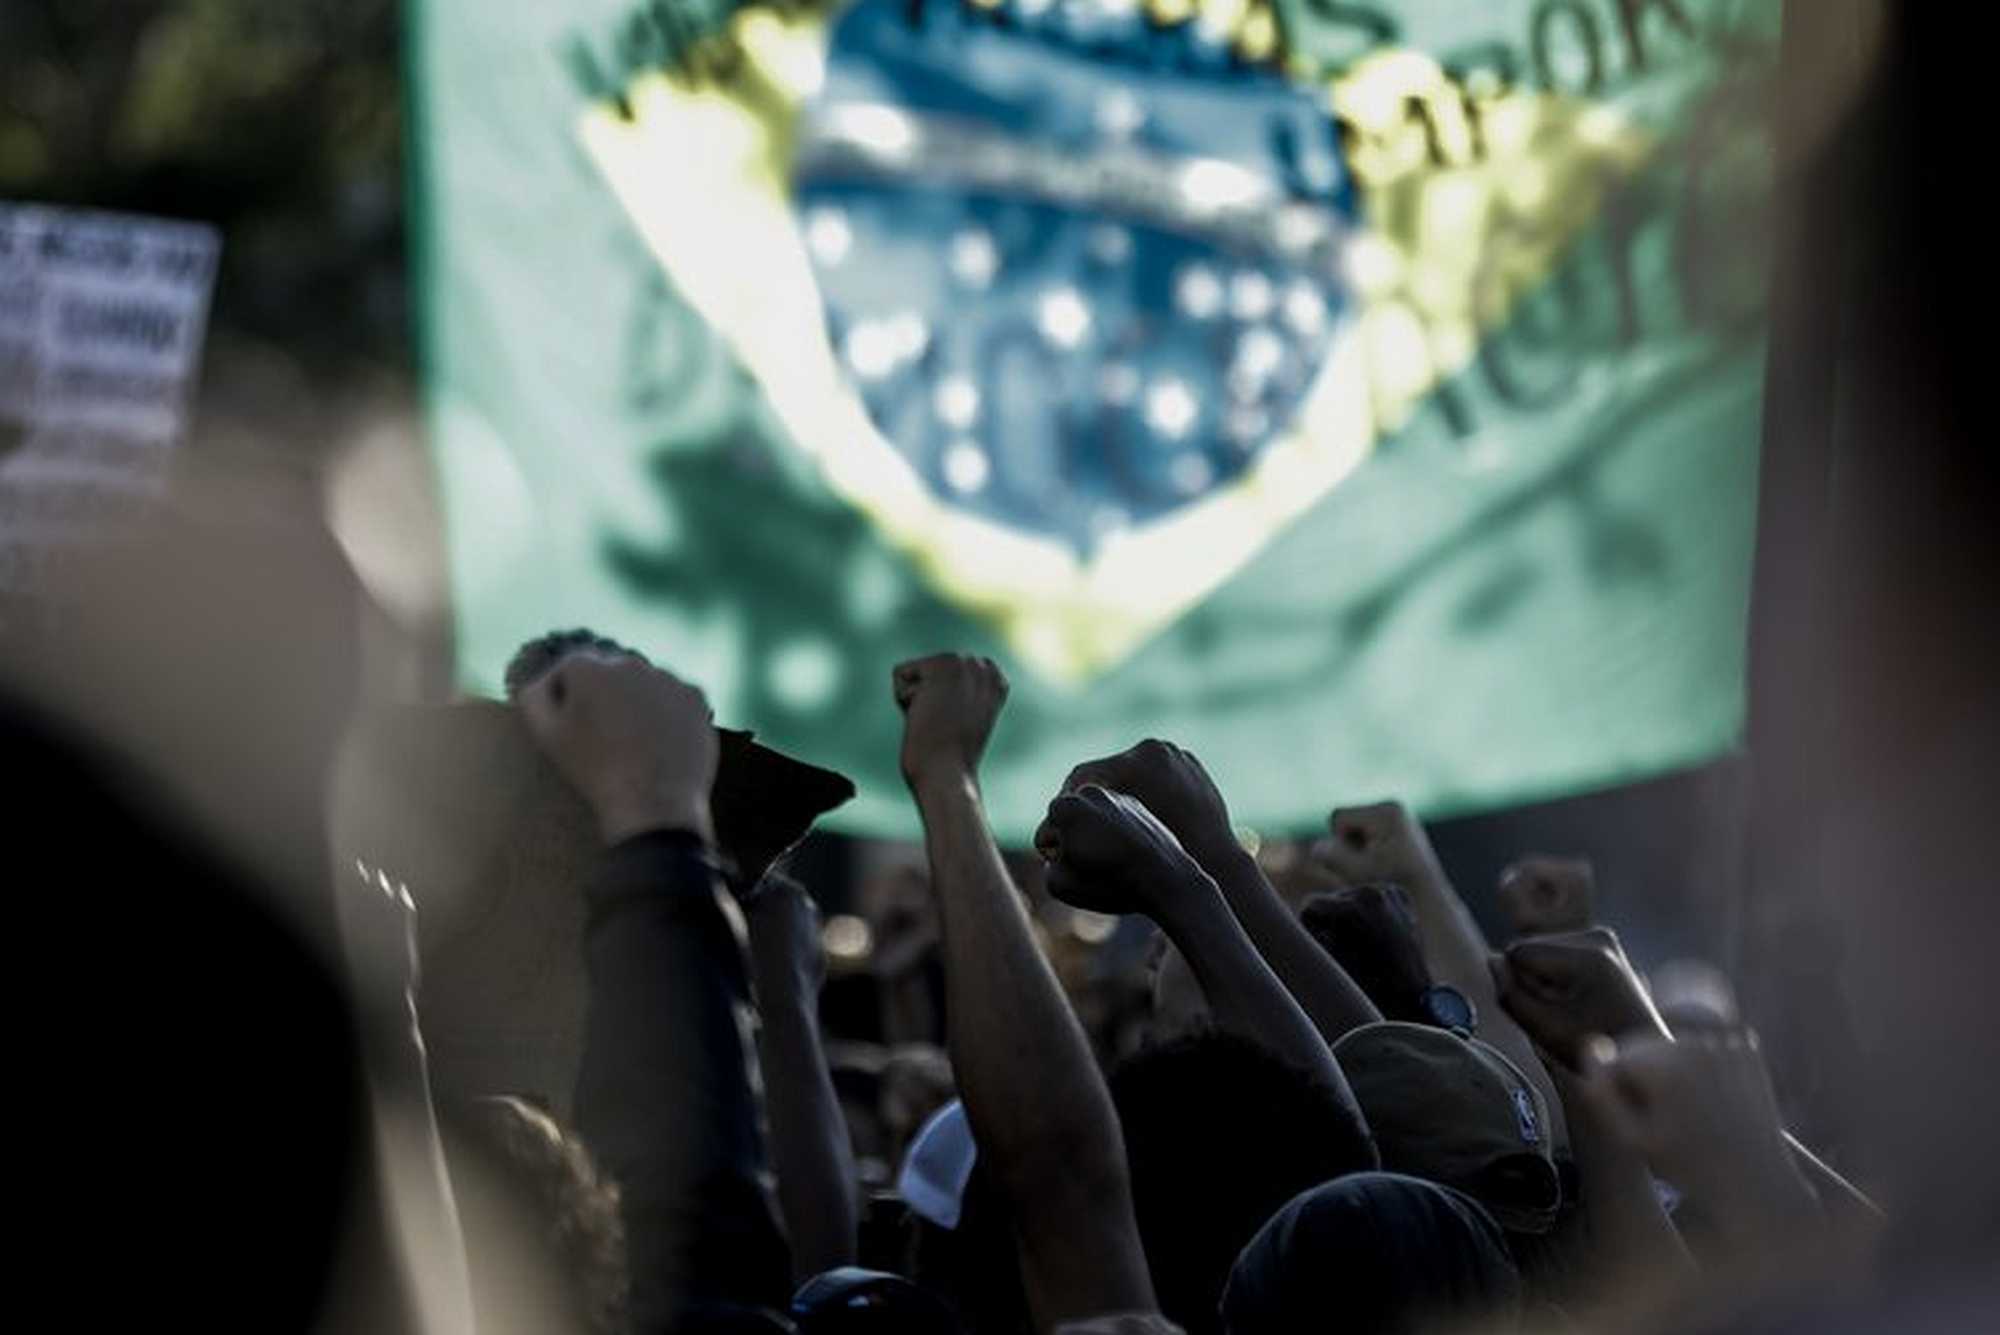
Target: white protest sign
pixel 102 317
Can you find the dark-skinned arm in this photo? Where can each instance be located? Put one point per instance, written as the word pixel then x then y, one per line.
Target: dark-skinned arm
pixel 1107 853
pixel 1037 1104
pixel 1173 786
pixel 1385 842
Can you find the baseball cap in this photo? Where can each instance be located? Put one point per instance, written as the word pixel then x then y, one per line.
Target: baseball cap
pixel 938 1165
pixel 1456 1111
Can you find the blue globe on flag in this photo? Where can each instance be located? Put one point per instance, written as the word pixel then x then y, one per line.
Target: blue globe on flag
pixel 1079 267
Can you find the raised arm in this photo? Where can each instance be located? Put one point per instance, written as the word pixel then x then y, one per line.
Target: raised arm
pixel 1107 853
pixel 666 1087
pixel 1577 997
pixel 1173 786
pixel 1038 1107
pixel 1564 987
pixel 1384 842
pixel 1701 1112
pixel 810 1144
pixel 1636 1258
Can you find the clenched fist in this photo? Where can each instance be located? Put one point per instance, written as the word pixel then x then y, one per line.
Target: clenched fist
pixel 949 704
pixel 1382 842
pixel 1371 931
pixel 1564 988
pixel 637 743
pixel 1172 786
pixel 1107 853
pixel 1542 894
pixel 1702 1113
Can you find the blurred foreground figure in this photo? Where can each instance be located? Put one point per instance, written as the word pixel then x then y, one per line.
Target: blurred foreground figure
pixel 233 1042
pixel 215 648
pixel 205 1147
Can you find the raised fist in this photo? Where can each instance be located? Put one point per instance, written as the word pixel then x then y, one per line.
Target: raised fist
pixel 950 703
pixel 1107 853
pixel 1541 894
pixel 636 742
pixel 1371 931
pixel 1702 1113
pixel 1173 787
pixel 1564 988
pixel 1382 842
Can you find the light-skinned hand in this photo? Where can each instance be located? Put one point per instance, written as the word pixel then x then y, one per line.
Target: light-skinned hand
pixel 950 703
pixel 636 742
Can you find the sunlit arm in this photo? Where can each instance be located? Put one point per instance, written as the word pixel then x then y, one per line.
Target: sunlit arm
pixel 1038 1106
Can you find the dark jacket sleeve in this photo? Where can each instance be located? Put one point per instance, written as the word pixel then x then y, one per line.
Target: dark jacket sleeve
pixel 667 1090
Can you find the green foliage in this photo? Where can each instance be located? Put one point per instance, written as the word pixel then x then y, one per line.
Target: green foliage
pixel 278 120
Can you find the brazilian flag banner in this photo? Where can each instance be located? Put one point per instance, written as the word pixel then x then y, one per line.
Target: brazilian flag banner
pixel 1365 396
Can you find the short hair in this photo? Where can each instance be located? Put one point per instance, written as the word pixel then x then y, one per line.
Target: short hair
pixel 538 1189
pixel 1219 1133
pixel 538 655
pixel 1380 1252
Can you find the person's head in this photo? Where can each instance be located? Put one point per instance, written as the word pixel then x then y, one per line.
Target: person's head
pixel 1371 931
pixel 188 1137
pixel 544 1239
pixel 1454 1110
pixel 1375 1252
pixel 1219 1132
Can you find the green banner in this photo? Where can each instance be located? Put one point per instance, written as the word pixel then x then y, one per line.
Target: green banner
pixel 1365 396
